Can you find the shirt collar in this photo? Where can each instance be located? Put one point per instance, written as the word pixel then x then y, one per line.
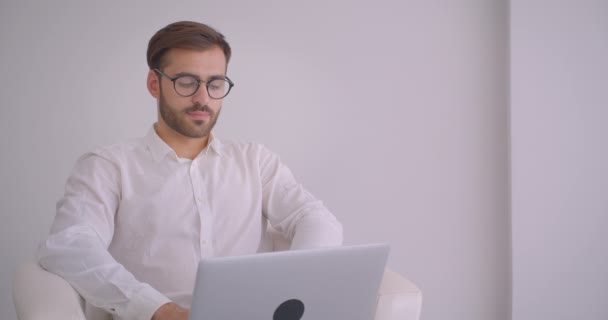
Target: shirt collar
pixel 215 145
pixel 159 149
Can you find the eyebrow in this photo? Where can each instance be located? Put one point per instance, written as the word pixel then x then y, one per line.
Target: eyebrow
pixel 213 77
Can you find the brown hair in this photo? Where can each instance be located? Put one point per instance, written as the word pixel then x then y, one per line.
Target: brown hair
pixel 184 35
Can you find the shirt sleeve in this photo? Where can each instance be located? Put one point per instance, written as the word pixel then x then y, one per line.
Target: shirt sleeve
pixel 294 211
pixel 77 246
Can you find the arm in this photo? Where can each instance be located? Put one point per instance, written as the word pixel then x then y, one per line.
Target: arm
pixel 171 311
pixel 292 210
pixel 77 247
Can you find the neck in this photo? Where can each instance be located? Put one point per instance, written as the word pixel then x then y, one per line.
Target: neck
pixel 184 147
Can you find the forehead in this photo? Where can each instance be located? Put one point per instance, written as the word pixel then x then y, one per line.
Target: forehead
pixel 198 62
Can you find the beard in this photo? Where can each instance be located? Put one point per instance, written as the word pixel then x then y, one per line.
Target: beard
pixel 179 121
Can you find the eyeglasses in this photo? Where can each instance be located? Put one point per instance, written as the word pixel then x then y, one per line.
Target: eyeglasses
pixel 188 85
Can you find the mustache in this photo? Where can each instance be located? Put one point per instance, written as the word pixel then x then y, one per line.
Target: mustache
pixel 199 107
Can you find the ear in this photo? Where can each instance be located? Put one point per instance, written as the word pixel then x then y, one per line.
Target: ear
pixel 153 85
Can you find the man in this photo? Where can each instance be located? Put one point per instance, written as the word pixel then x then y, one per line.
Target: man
pixel 138 216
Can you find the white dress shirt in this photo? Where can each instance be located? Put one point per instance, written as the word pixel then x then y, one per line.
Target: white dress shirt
pixel 136 219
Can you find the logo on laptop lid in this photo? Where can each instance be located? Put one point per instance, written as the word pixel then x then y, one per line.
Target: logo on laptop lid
pixel 292 309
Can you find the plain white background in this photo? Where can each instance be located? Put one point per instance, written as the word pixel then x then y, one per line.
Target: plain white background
pixel 559 108
pixel 395 113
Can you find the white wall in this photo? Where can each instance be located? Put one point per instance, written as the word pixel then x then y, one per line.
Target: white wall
pixel 393 112
pixel 559 159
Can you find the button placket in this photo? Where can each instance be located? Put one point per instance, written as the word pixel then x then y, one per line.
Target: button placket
pixel 199 189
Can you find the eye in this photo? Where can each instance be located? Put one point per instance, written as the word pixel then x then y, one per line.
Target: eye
pixel 217 84
pixel 186 82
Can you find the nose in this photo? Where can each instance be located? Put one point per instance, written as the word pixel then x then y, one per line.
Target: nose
pixel 201 96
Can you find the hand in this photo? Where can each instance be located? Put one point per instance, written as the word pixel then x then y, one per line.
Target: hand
pixel 171 311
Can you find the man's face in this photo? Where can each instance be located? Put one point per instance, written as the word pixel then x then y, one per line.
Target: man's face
pixel 193 116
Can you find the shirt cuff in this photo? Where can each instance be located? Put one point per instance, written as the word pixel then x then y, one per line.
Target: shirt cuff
pixel 144 304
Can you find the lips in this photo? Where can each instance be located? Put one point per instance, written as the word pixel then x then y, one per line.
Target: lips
pixel 198 114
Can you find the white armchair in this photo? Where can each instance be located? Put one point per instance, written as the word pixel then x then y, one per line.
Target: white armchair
pixel 41 295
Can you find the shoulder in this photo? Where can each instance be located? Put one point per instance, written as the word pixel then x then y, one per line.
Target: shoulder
pixel 244 149
pixel 126 146
pixel 114 154
pixel 250 154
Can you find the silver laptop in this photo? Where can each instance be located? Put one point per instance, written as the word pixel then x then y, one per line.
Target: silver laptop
pixel 331 283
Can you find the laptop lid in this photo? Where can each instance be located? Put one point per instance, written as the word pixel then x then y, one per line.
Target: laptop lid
pixel 329 283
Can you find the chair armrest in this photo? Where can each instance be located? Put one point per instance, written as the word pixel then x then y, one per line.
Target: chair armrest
pixel 398 298
pixel 39 294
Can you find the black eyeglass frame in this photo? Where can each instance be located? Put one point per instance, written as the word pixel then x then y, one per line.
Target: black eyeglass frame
pixel 198 84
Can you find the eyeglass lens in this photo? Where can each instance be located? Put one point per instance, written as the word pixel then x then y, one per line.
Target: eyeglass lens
pixel 188 85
